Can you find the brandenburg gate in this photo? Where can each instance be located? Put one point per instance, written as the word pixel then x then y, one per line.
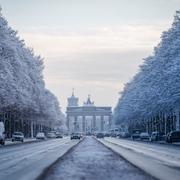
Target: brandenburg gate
pixel 87 118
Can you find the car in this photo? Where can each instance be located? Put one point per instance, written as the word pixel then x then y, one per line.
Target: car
pixel 82 135
pixel 88 134
pixel 173 136
pixel 144 136
pixel 113 135
pixel 2 133
pixel 123 135
pixel 40 135
pixel 51 135
pixel 100 135
pixel 135 134
pixel 75 136
pixel 18 136
pixel 156 136
pixel 58 135
pixel 106 134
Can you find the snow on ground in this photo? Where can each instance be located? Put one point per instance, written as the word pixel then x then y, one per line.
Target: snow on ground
pixel 161 161
pixel 27 161
pixel 26 140
pixel 90 160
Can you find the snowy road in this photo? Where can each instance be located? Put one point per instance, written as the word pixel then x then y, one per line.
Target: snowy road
pixel 161 161
pixel 27 161
pixel 92 160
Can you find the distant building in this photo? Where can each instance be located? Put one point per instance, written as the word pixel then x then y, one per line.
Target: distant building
pixel 73 101
pixel 87 118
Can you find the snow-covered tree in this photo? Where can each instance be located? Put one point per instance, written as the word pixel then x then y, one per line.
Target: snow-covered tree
pixel 23 96
pixel 154 90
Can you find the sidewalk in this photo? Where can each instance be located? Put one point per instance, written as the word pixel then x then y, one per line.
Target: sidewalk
pixel 161 162
pixel 151 142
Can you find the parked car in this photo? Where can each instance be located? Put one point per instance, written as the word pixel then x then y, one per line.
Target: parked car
pixel 59 135
pixel 173 136
pixel 144 136
pixel 135 134
pixel 2 133
pixel 75 136
pixel 100 135
pixel 106 134
pixel 51 135
pixel 123 135
pixel 18 136
pixel 81 135
pixel 113 135
pixel 88 134
pixel 40 135
pixel 114 132
pixel 156 136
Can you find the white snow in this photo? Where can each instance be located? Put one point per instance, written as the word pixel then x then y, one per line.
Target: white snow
pixel 154 91
pixel 23 90
pixel 161 161
pixel 9 142
pixel 90 160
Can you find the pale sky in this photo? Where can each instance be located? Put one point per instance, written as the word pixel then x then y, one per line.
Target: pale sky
pixel 94 46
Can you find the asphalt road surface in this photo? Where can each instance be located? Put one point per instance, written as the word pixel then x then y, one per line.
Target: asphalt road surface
pixel 90 160
pixel 26 161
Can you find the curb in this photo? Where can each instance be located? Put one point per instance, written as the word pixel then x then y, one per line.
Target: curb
pixel 17 144
pixel 26 142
